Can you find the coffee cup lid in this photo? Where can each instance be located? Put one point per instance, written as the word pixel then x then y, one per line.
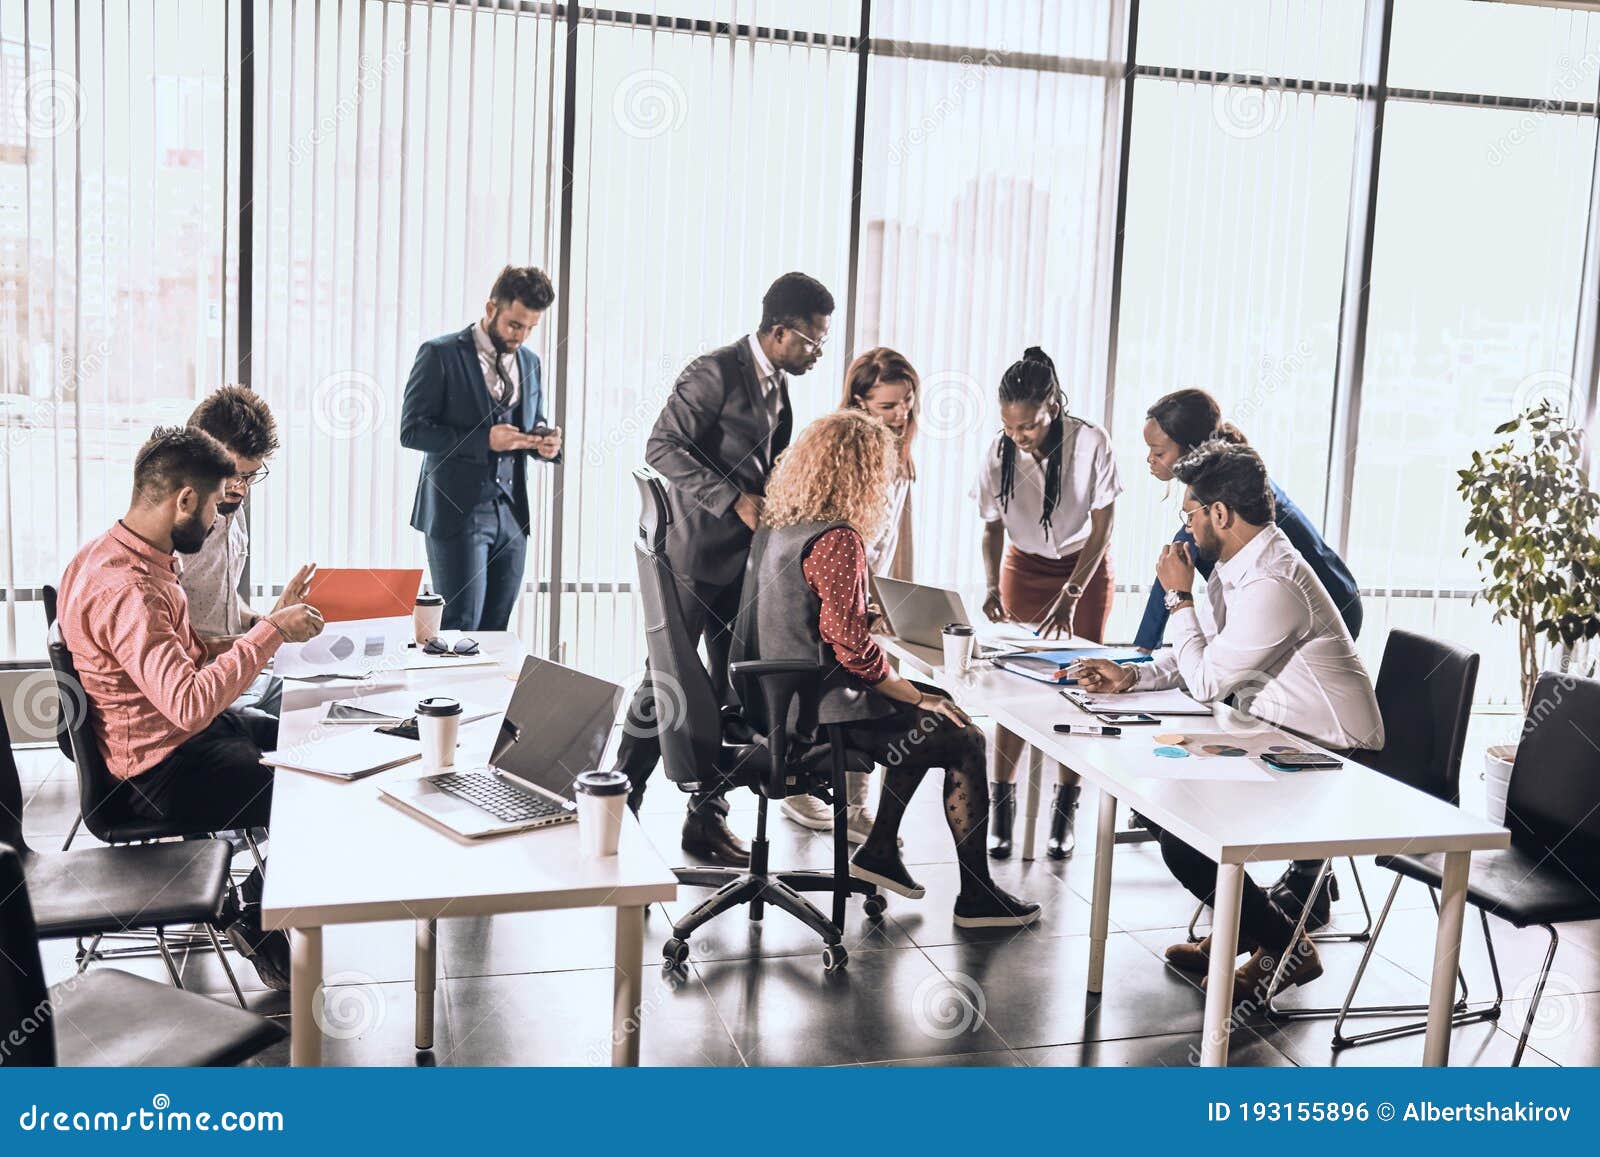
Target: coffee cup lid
pixel 957 629
pixel 439 705
pixel 428 600
pixel 603 783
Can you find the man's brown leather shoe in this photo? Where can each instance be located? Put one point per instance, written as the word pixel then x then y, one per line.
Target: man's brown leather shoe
pixel 1196 958
pixel 706 836
pixel 1251 979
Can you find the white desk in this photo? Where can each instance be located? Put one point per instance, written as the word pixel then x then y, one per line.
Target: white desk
pixel 341 854
pixel 1350 811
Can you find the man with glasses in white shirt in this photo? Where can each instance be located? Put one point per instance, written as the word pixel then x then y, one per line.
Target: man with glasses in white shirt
pixel 1276 646
pixel 237 417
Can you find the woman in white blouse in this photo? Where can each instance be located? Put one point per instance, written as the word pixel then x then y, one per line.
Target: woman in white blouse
pixel 1048 483
pixel 885 385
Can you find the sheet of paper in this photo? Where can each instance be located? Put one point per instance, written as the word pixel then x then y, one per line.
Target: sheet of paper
pixel 357 647
pixel 1171 702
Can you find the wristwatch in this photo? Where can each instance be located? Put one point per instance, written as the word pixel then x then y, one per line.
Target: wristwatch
pixel 1075 590
pixel 1175 597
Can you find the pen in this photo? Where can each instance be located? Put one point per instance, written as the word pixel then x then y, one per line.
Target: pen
pixel 1088 729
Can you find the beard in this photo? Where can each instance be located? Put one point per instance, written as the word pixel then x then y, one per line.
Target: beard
pixel 188 537
pixel 226 508
pixel 1207 550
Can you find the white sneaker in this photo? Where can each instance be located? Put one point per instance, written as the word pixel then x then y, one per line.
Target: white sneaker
pixel 860 826
pixel 809 812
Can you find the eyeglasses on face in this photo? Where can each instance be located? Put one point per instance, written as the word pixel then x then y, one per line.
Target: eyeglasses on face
pixel 253 477
pixel 813 344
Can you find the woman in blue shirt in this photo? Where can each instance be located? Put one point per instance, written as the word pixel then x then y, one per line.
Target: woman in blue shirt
pixel 1177 424
pixel 1173 426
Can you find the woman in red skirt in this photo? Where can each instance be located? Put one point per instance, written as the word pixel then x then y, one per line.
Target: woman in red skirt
pixel 1049 484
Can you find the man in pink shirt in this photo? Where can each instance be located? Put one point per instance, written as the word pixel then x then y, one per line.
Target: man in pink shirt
pixel 160 710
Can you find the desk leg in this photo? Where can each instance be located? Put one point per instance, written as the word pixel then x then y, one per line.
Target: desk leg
pixel 427 980
pixel 305 991
pixel 1105 843
pixel 1030 814
pixel 1219 980
pixel 627 990
pixel 1446 957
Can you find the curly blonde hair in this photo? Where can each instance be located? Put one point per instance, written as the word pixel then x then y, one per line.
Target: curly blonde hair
pixel 839 468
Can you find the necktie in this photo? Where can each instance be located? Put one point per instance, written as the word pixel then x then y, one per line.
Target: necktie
pixel 503 391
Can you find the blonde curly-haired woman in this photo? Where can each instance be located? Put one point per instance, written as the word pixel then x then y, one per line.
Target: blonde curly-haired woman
pixel 825 501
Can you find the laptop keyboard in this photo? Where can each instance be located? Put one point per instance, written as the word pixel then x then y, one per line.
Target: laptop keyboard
pixel 500 799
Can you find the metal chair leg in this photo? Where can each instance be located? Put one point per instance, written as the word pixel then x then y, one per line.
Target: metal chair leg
pixel 222 959
pixel 255 849
pixel 166 957
pixel 1538 991
pixel 1194 923
pixel 72 832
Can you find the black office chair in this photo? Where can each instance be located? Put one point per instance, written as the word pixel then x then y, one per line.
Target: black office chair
pixel 704 748
pixel 1424 692
pixel 105 1017
pixel 110 891
pixel 1551 872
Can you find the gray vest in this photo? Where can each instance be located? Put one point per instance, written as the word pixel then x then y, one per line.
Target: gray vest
pixel 504 481
pixel 779 620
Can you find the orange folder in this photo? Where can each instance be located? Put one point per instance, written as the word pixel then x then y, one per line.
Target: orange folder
pixel 342 595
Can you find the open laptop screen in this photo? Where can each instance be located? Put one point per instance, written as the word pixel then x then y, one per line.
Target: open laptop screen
pixel 556 725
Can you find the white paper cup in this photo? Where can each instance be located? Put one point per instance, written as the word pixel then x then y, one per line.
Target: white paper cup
pixel 438 723
pixel 602 799
pixel 960 645
pixel 427 617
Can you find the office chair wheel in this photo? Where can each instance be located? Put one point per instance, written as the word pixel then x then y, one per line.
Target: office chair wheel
pixel 675 952
pixel 834 957
pixel 874 906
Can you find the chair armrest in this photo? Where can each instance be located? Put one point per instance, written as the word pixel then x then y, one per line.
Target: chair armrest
pixel 771 690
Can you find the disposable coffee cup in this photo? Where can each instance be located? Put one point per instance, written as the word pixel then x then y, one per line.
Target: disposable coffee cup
pixel 602 798
pixel 960 646
pixel 426 617
pixel 438 722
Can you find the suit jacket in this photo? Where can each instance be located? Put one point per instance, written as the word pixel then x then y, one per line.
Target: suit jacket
pixel 712 442
pixel 446 414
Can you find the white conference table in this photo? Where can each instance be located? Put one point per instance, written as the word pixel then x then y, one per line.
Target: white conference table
pixel 1350 811
pixel 341 854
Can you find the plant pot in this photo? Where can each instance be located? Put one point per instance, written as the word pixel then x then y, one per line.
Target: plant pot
pixel 1497 762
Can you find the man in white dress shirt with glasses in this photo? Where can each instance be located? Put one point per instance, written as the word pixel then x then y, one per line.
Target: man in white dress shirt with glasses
pixel 1275 646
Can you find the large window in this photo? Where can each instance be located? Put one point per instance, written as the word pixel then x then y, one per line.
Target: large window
pixel 397 154
pixel 986 216
pixel 116 261
pixel 1238 199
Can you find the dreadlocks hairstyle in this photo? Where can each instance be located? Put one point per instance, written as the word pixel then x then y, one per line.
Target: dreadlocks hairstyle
pixel 1033 382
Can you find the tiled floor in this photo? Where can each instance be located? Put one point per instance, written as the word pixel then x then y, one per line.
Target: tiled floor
pixel 535 989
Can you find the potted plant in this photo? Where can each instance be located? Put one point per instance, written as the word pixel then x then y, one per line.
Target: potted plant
pixel 1532 516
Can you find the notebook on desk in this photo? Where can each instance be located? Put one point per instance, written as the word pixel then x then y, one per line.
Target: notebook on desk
pixel 351 755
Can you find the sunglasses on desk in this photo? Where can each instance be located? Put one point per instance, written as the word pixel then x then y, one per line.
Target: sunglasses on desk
pixel 460 647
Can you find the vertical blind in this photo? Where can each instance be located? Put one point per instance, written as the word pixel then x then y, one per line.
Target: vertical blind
pixel 117 260
pixel 403 151
pixel 987 217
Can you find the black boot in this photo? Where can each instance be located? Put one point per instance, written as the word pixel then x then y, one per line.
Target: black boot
pixel 1063 839
pixel 1290 891
pixel 1002 815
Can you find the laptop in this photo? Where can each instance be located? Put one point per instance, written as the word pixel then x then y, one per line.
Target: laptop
pixel 919 614
pixel 555 728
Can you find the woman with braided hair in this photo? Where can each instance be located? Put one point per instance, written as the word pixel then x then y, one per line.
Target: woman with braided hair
pixel 1049 483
